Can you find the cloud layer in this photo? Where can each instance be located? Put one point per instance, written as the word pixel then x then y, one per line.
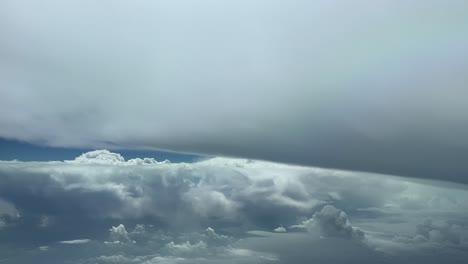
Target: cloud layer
pixel 372 86
pixel 100 208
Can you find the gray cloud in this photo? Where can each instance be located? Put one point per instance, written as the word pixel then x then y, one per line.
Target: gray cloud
pixel 443 233
pixel 372 86
pixel 119 234
pixel 333 222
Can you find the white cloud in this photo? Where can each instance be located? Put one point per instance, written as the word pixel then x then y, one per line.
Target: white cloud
pixel 375 89
pixel 150 212
pixel 100 157
pixel 106 157
pixel 75 241
pixel 280 229
pixel 119 234
pixel 186 248
pixel 213 238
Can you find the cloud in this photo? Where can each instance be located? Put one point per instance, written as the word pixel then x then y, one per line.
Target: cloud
pixel 445 233
pixel 118 234
pixel 364 86
pixel 43 248
pixel 8 213
pixel 150 213
pixel 333 222
pixel 104 156
pixel 280 229
pixel 75 241
pixel 100 157
pixel 186 248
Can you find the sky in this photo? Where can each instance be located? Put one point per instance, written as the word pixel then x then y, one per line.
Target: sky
pixel 15 150
pixel 375 86
pixel 233 131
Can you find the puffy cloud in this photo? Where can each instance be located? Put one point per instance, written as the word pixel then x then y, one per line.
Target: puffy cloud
pixel 445 233
pixel 100 157
pixel 280 229
pixel 104 156
pixel 119 234
pixel 333 222
pixel 7 208
pixel 355 94
pixel 8 213
pixel 213 238
pixel 164 209
pixel 186 248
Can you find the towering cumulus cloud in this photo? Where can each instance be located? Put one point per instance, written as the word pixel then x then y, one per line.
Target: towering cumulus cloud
pixel 101 208
pixel 333 222
pixel 364 85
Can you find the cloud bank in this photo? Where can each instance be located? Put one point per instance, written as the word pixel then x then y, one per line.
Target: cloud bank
pixel 100 208
pixel 371 86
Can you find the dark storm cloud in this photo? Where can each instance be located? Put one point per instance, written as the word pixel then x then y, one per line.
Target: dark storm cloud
pixel 366 85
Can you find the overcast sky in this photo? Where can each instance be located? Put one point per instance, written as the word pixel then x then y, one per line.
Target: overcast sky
pixel 364 85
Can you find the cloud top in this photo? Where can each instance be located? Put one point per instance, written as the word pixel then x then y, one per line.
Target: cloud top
pixel 105 157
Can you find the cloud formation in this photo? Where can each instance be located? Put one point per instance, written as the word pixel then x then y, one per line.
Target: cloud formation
pixel 333 222
pixel 118 234
pixel 104 156
pixel 371 86
pixel 223 210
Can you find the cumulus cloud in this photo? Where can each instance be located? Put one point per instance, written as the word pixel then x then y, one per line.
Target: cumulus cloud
pixel 100 157
pixel 119 234
pixel 363 86
pixel 444 233
pixel 186 248
pixel 280 229
pixel 333 222
pixel 8 213
pixel 104 156
pixel 145 213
